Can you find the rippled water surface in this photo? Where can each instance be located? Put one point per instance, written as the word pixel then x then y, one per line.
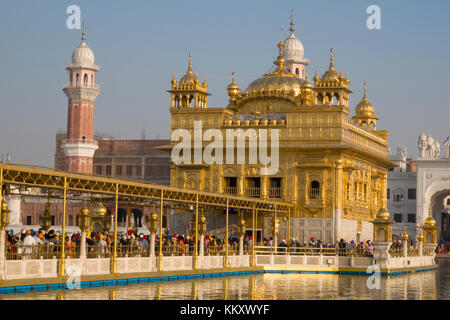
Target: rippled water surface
pixel 422 285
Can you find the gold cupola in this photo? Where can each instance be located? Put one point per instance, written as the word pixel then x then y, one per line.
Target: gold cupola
pixel 429 228
pixel 332 87
pixel 277 82
pixel 233 91
pixel 189 92
pixel 100 210
pixel 383 214
pixel 405 236
pixel 365 113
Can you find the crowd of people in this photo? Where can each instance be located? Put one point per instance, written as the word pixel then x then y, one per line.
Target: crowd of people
pixel 27 243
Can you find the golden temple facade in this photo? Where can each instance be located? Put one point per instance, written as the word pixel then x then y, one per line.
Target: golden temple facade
pixel 332 165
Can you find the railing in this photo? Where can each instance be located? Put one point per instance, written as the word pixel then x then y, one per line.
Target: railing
pixel 396 253
pixel 77 141
pixel 80 85
pixel 253 192
pixel 46 251
pixel 231 190
pixel 311 251
pixel 314 193
pixel 275 192
pixel 413 252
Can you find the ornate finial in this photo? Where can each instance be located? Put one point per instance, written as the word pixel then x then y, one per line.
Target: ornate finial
pixel 306 73
pixel 332 59
pixel 83 34
pixel 365 90
pixel 280 61
pixel 190 64
pixel 292 29
pixel 232 79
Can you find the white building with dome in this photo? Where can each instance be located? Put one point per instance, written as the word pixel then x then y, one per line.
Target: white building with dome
pixel 293 55
pixel 418 184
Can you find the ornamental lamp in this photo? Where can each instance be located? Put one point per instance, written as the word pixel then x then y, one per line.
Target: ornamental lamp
pixel 275 226
pixel 46 217
pixel 241 227
pixel 152 223
pixel 107 221
pixel 83 219
pixel 202 225
pixel 4 219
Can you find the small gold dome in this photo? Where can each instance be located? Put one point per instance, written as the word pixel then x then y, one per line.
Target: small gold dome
pixel 365 108
pixel 420 237
pixel 430 222
pixel 405 236
pixel 100 210
pixel 84 210
pixel 383 214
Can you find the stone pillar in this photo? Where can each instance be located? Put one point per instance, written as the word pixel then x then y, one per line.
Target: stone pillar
pixel 338 199
pixel 405 248
pixel 152 245
pixel 202 245
pixel 2 254
pixel 241 246
pixel 420 248
pixel 83 252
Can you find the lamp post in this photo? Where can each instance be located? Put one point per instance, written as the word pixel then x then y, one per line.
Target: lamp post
pixel 46 218
pixel 152 226
pixel 84 222
pixel 202 231
pixel 241 230
pixel 405 238
pixel 275 229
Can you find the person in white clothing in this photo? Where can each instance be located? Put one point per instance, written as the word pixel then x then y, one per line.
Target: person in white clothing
pixel 28 244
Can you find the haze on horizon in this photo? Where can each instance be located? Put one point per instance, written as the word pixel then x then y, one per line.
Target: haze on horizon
pixel 138 46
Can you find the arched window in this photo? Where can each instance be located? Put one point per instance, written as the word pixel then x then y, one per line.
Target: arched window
pixel 314 191
pixel 85 79
pixel 78 79
pixel 297 72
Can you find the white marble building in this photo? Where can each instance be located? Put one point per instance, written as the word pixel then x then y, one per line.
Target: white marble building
pixel 418 183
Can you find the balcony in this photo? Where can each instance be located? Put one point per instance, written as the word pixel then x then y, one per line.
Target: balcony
pixel 231 190
pixel 253 192
pixel 80 141
pixel 275 192
pixel 81 85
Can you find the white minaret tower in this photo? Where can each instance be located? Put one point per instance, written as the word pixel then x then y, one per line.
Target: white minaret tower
pixel 79 146
pixel 293 54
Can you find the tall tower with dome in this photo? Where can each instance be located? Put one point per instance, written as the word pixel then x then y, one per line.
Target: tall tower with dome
pixel 295 62
pixel 81 90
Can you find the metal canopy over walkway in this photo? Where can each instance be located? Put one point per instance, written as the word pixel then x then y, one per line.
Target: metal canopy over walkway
pixel 137 191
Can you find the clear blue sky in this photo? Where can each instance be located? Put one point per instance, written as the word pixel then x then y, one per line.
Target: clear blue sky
pixel 138 44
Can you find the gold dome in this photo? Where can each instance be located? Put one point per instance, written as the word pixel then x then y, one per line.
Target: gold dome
pixel 84 210
pixel 430 222
pixel 331 74
pixel 233 89
pixel 420 237
pixel 100 210
pixel 276 83
pixel 405 236
pixel 383 214
pixel 189 78
pixel 365 108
